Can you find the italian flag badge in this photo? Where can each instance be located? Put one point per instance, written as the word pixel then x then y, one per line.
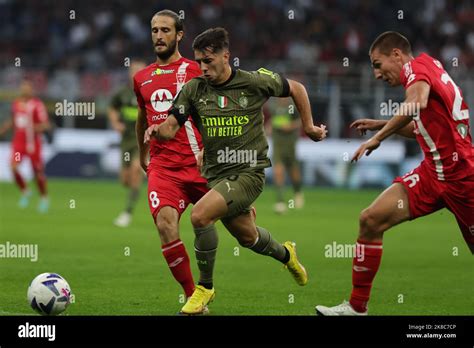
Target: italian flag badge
pixel 221 101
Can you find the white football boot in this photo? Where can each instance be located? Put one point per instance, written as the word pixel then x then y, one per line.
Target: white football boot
pixel 123 220
pixel 344 309
pixel 279 208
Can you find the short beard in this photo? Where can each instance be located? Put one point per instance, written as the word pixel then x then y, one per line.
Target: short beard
pixel 169 52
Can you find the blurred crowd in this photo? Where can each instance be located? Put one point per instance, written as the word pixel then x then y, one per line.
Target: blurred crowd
pixel 96 35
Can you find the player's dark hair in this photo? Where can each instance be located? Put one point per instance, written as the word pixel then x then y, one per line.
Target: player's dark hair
pixel 213 39
pixel 178 22
pixel 389 40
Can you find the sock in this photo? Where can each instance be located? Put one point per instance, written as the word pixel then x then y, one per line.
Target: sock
pixel 297 186
pixel 132 199
pixel 279 192
pixel 19 180
pixel 364 267
pixel 205 247
pixel 178 262
pixel 266 245
pixel 41 183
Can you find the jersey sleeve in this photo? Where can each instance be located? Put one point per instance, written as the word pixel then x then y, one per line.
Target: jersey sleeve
pixel 414 71
pixel 40 113
pixel 183 102
pixel 271 84
pixel 136 89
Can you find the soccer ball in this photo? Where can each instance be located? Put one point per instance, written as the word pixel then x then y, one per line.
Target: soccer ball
pixel 49 294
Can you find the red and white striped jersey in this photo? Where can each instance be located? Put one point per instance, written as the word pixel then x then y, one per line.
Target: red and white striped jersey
pixel 442 129
pixel 155 87
pixel 27 114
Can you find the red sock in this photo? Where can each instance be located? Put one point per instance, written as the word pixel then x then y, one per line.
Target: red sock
pixel 41 182
pixel 364 267
pixel 19 180
pixel 178 262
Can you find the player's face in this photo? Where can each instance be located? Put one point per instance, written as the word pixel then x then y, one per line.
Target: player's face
pixel 164 36
pixel 387 68
pixel 212 64
pixel 26 89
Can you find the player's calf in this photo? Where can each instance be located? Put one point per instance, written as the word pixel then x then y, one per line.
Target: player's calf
pixel 205 247
pixel 173 248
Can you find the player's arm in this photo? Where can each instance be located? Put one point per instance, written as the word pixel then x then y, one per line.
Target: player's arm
pixel 365 124
pixel 177 115
pixel 114 118
pixel 42 127
pixel 140 127
pixel 300 98
pixel 416 100
pixel 164 131
pixel 6 126
pixel 41 119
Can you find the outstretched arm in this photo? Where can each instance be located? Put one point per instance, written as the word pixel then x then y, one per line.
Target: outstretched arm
pixel 416 100
pixel 164 131
pixel 365 124
pixel 300 97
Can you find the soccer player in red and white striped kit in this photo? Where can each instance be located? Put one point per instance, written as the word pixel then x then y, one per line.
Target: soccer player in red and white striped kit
pixel 434 113
pixel 29 121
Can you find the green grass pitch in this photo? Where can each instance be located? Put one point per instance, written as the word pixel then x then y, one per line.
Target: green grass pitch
pixel 421 273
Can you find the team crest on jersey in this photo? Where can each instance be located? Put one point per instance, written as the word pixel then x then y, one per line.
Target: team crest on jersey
pixel 222 101
pixel 159 71
pixel 462 130
pixel 243 101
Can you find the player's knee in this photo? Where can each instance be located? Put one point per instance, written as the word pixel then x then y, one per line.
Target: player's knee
pixel 368 224
pixel 199 219
pixel 166 226
pixel 247 241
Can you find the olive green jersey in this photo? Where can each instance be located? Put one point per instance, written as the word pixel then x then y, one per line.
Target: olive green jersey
pixel 230 119
pixel 125 102
pixel 283 115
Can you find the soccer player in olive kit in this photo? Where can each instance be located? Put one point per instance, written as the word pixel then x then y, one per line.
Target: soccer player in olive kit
pixel 226 105
pixel 174 180
pixel 122 114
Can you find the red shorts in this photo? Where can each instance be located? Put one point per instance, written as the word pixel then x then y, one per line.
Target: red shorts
pixel 176 188
pixel 427 195
pixel 19 152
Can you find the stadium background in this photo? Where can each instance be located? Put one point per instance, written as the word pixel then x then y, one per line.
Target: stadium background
pixel 324 45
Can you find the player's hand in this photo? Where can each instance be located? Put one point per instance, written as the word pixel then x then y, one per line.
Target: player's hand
pixel 369 146
pixel 150 132
pixel 120 127
pixel 317 133
pixel 365 124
